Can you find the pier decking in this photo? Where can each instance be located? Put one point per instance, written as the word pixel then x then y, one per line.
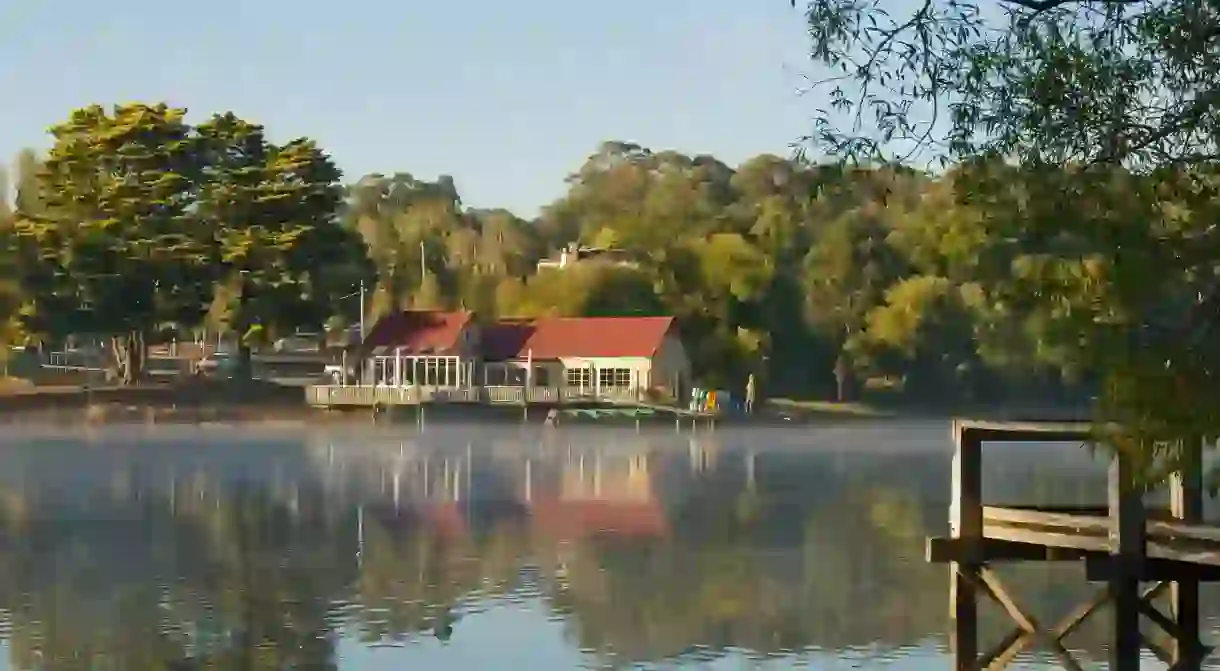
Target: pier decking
pixel 1123 545
pixel 571 398
pixel 367 395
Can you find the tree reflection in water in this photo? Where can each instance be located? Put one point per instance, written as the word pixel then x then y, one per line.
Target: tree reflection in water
pixel 187 550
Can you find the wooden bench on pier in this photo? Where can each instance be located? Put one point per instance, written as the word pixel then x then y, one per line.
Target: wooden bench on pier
pixel 1122 545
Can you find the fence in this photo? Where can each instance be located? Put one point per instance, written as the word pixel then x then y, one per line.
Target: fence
pixel 334 395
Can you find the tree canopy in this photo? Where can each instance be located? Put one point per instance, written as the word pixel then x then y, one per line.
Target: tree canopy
pixel 136 221
pixel 820 279
pixel 1082 134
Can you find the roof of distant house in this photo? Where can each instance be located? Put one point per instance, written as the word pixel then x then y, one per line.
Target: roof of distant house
pixel 437 332
pixel 506 338
pixel 418 331
pixel 562 337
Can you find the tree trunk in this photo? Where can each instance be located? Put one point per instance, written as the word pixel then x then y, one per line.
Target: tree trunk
pixel 129 351
pixel 842 374
pixel 244 369
pixel 139 356
pixel 244 366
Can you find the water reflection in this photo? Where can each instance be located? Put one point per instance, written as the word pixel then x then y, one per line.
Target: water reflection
pixel 185 548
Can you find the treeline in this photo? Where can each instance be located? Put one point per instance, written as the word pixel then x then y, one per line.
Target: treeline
pixel 821 279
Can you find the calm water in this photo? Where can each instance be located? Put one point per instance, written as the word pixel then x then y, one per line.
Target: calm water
pixel 180 548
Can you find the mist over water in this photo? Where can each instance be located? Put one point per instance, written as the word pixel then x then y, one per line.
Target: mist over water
pixel 502 547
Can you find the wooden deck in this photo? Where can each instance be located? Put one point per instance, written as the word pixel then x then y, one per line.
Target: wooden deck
pixel 1122 544
pixel 352 396
pixel 1084 533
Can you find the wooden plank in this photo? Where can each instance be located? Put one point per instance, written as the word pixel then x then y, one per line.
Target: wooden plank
pixel 1185 556
pixel 1074 541
pixel 995 589
pixel 1048 538
pixel 946 550
pixel 1016 641
pixel 1186 504
pixel 1100 568
pixel 1160 530
pixel 1202 533
pixel 1128 544
pixel 965 522
pixel 1026 432
pixel 1094 523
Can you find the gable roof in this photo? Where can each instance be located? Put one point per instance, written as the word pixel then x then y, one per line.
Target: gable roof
pixel 561 337
pixel 506 339
pixel 418 331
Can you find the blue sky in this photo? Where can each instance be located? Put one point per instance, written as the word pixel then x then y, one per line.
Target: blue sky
pixel 509 97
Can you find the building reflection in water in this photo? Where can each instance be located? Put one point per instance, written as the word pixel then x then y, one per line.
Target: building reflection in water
pixel 181 549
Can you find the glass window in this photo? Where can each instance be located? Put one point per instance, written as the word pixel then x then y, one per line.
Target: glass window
pixel 614 377
pixel 579 377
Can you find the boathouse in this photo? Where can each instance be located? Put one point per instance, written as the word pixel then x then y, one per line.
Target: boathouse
pixel 594 355
pixel 584 356
pixel 426 348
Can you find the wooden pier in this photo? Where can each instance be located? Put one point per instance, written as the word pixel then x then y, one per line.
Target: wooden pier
pixel 338 396
pixel 1122 545
pixel 572 401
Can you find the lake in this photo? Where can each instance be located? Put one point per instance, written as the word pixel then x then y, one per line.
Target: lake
pixel 362 549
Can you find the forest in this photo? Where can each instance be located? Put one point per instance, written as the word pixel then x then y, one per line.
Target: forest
pixel 821 278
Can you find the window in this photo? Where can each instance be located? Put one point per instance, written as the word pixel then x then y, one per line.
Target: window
pixel 614 377
pixel 580 377
pixel 542 377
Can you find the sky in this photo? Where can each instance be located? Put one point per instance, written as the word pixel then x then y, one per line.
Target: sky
pixel 507 97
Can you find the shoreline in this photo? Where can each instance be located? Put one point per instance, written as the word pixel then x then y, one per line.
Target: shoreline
pixel 206 401
pixel 999 411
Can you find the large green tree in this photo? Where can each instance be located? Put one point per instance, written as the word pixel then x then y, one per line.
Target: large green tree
pixel 1088 131
pixel 115 247
pixel 136 222
pixel 279 248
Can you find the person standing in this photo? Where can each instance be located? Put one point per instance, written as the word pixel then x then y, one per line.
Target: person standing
pixel 750 392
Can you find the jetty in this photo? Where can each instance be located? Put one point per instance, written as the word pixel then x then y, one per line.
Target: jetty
pixel 571 401
pixel 1136 553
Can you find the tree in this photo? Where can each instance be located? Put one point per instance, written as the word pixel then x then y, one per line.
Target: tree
pixel 1044 81
pixel 114 235
pixel 1079 98
pixel 846 274
pixel 10 289
pixel 925 321
pixel 273 213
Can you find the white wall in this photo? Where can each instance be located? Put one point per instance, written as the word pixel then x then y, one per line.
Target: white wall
pixel 669 362
pixel 640 367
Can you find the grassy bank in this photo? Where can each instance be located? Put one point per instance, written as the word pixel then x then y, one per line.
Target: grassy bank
pixel 20 397
pixel 1012 410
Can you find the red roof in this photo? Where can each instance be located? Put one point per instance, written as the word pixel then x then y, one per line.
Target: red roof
pixel 559 337
pixel 418 331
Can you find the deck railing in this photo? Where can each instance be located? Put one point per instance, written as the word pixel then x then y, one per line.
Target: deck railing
pixel 365 395
pixel 331 395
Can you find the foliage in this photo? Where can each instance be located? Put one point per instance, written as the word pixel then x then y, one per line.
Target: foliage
pixel 801 274
pixel 1084 137
pixel 136 220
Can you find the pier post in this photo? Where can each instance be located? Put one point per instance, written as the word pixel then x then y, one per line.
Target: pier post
pixel 966 522
pixel 1186 504
pixel 1128 526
